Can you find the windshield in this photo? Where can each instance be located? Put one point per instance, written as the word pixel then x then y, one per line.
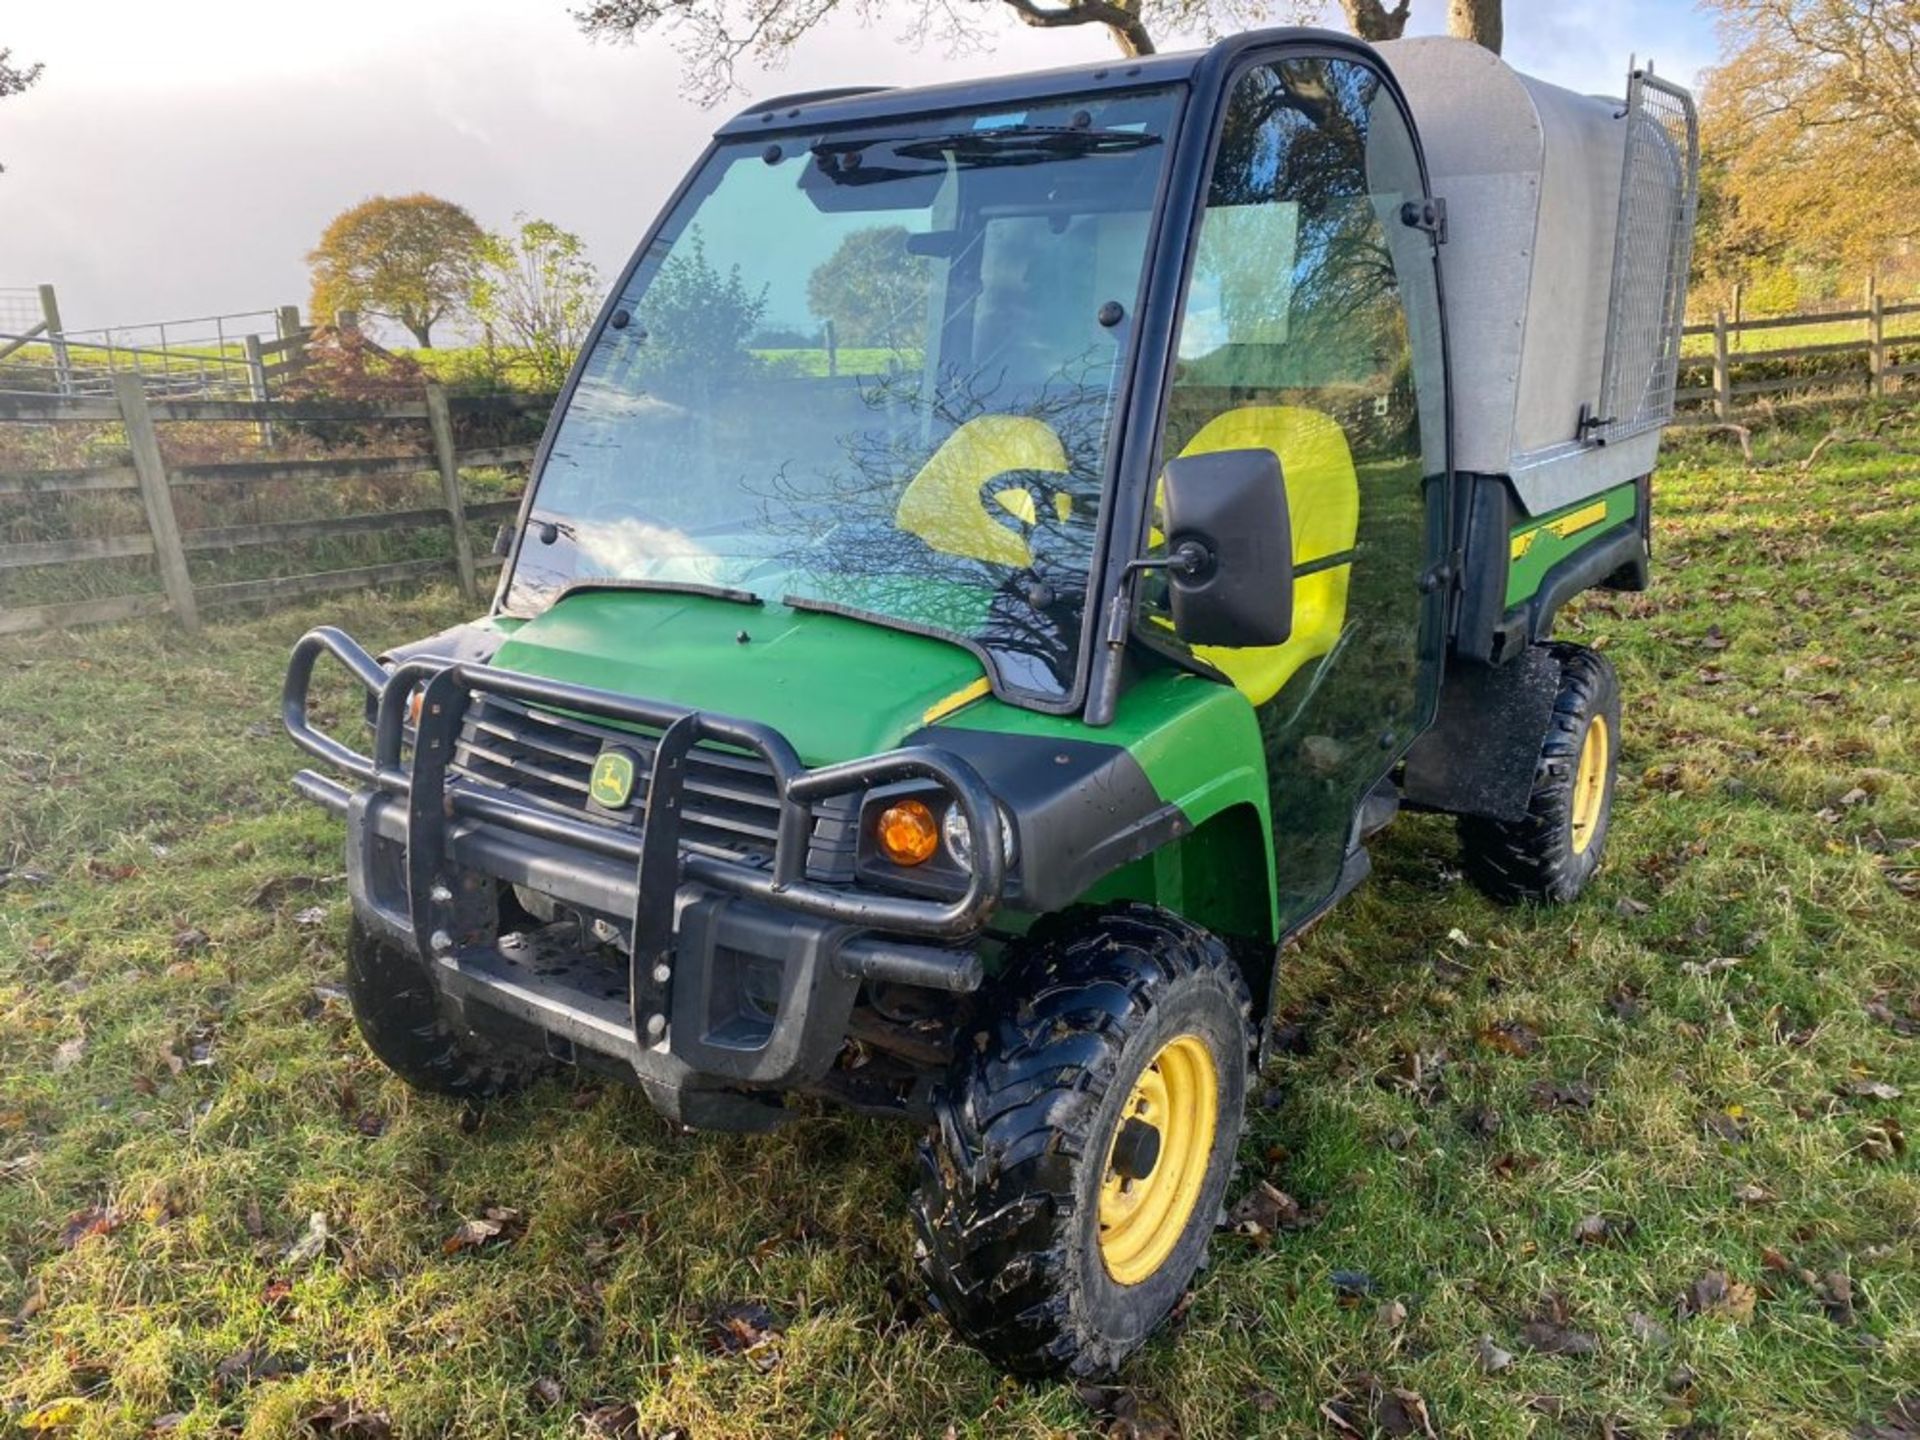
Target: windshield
pixel 871 370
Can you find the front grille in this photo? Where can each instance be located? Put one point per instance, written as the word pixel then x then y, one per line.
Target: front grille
pixel 731 806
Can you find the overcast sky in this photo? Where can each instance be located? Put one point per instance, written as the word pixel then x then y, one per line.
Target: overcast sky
pixel 181 159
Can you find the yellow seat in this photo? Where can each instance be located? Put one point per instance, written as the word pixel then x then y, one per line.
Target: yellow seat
pixel 945 505
pixel 1323 503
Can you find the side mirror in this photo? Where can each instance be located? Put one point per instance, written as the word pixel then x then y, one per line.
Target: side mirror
pixel 1230 548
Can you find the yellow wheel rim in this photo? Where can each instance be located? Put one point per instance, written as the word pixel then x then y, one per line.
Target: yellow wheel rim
pixel 1590 784
pixel 1157 1159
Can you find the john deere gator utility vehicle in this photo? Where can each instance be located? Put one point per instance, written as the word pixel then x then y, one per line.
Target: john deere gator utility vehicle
pixel 1004 549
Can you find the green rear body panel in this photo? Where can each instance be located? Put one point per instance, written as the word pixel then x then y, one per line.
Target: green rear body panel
pixel 1543 541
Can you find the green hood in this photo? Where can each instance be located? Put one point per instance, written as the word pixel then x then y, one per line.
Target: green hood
pixel 837 688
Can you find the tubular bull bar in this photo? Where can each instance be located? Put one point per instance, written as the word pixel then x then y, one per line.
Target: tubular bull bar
pixel 425 846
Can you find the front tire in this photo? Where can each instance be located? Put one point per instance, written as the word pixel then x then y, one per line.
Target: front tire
pixel 1551 853
pixel 1083 1144
pixel 401 1019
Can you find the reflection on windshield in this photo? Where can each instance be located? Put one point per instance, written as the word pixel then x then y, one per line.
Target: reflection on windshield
pixel 890 393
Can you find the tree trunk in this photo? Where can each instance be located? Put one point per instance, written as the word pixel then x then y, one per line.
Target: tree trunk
pixel 1371 20
pixel 1475 20
pixel 421 334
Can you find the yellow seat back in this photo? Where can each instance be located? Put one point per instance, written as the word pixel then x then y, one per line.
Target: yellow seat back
pixel 944 504
pixel 1323 504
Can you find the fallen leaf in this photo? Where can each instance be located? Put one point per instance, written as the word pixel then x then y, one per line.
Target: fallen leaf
pixel 68 1053
pixel 1127 1414
pixel 546 1392
pixel 615 1421
pixel 1489 1356
pixel 1625 1003
pixel 311 916
pixel 1482 1121
pixel 1647 1330
pixel 497 1223
pixel 1511 1037
pixel 1834 1290
pixel 1403 1412
pixel 747 1329
pixel 1351 1286
pixel 1548 1337
pixel 61 1414
pixel 1872 1089
pixel 313 1243
pixel 1883 1140
pixel 1264 1211
pixel 1752 1194
pixel 1626 907
pixel 251 1363
pixel 85 1224
pixel 1561 1095
pixel 347 1420
pixel 1729 1124
pixel 192 939
pixel 1391 1315
pixel 1717 1293
pixel 1603 1229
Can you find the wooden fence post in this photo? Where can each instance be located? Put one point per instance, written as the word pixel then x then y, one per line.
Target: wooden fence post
pixel 62 362
pixel 441 423
pixel 257 382
pixel 155 496
pixel 1737 312
pixel 1876 348
pixel 1722 372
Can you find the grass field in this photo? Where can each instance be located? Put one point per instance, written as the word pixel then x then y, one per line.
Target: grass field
pixel 1646 1166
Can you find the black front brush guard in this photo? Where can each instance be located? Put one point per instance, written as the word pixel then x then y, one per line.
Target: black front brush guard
pixel 433 802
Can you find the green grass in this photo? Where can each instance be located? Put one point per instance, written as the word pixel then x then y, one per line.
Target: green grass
pixel 178 1071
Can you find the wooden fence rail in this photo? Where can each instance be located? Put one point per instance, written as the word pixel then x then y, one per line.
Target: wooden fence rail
pixel 1726 385
pixel 156 483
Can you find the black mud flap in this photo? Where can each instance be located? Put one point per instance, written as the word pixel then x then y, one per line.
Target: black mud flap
pixel 1478 757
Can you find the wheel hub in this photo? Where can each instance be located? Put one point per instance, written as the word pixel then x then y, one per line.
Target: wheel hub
pixel 1136 1149
pixel 1157 1160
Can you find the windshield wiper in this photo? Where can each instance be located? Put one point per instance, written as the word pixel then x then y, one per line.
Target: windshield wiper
pixel 1002 145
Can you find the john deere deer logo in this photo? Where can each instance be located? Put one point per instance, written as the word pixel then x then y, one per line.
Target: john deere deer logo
pixel 611 784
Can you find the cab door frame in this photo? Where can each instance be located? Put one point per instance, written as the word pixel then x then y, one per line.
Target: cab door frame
pixel 1175 243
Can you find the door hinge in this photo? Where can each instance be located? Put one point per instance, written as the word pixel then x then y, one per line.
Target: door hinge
pixel 1428 215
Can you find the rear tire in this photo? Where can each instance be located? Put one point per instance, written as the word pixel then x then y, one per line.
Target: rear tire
pixel 1083 1144
pixel 400 1018
pixel 1551 854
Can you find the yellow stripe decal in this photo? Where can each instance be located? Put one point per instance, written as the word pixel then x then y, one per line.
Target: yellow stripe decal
pixel 940 709
pixel 1572 523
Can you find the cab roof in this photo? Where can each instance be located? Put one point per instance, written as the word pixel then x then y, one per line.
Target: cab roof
pixel 821 108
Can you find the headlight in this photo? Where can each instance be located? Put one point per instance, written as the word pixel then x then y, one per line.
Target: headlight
pixel 959 836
